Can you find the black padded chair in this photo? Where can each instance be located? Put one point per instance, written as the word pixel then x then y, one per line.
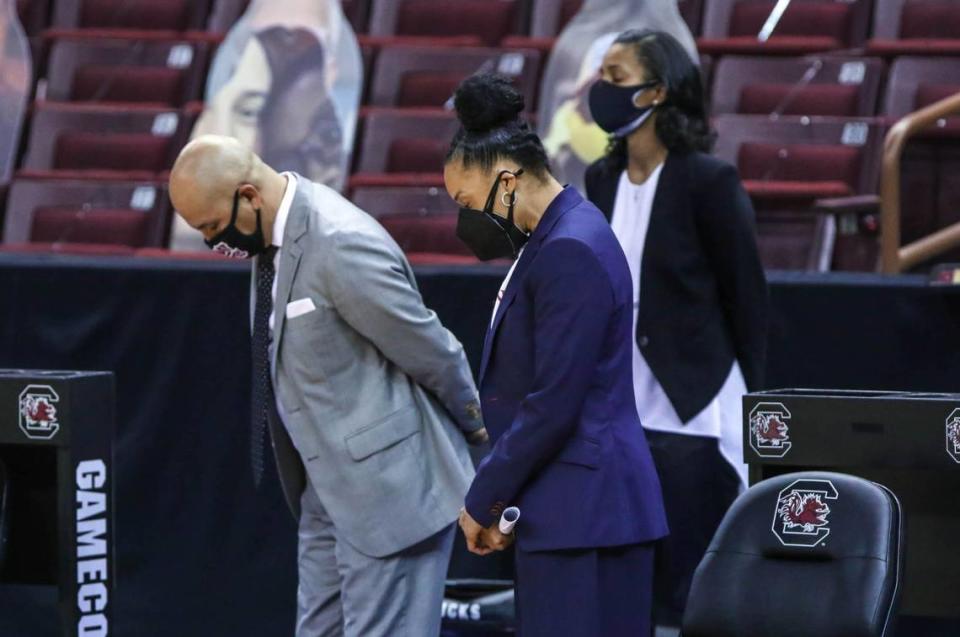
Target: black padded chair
pixel 802 555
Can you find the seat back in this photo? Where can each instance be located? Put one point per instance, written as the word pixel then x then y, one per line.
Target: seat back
pixel 827 157
pixel 409 76
pixel 155 15
pixel 845 21
pixel 549 17
pixel 802 554
pixel 126 69
pixel 814 85
pixel 65 136
pixel 128 213
pixel 916 19
pixel 394 141
pixel 490 20
pixel 916 82
pixel 796 241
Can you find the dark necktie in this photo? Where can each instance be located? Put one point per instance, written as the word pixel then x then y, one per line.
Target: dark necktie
pixel 262 390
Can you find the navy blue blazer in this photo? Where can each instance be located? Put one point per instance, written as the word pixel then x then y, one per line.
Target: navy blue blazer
pixel 556 385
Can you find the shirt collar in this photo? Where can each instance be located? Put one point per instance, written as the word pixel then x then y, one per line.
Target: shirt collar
pixel 280 223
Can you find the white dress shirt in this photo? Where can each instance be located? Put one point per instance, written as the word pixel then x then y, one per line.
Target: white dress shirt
pixel 503 287
pixel 279 225
pixel 722 418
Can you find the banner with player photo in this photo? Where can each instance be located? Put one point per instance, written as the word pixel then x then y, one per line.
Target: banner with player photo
pixel 16 77
pixel 573 141
pixel 286 82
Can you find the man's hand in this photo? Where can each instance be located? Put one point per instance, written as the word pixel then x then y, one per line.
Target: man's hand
pixel 478 437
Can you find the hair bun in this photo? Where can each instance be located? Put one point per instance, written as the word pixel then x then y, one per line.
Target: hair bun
pixel 486 101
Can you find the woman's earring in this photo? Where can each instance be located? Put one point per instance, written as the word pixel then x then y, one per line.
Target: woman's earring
pixel 503 198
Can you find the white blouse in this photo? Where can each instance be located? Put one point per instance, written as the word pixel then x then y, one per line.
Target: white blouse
pixel 722 417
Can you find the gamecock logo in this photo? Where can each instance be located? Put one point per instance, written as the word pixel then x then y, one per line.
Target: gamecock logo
pixel 227 251
pixel 38 412
pixel 801 517
pixel 769 431
pixel 953 435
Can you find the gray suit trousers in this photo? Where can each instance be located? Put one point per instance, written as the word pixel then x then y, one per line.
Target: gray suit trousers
pixel 345 593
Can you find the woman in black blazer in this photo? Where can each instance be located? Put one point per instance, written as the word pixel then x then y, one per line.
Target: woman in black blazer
pixel 687 228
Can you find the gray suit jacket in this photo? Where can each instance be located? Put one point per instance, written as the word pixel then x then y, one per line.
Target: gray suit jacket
pixel 376 394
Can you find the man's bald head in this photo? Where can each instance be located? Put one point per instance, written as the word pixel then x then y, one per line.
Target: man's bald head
pixel 207 173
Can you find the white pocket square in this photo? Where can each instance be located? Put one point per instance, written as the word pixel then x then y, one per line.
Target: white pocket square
pixel 300 307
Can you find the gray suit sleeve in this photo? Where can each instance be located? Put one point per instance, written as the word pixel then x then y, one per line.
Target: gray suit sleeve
pixel 371 290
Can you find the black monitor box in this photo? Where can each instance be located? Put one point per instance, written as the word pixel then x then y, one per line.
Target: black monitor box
pixel 908 442
pixel 56 503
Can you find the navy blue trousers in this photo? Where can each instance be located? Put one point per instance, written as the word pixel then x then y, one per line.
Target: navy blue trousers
pixel 585 592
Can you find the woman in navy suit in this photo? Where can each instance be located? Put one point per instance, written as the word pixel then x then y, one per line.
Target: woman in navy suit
pixel 700 296
pixel 555 384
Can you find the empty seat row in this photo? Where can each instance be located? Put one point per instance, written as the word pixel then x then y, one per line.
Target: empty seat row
pixel 838 86
pixel 139 141
pixel 898 27
pixel 134 213
pixel 148 69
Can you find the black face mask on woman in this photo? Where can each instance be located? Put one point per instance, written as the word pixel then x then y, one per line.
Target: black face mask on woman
pixel 613 107
pixel 230 242
pixel 488 235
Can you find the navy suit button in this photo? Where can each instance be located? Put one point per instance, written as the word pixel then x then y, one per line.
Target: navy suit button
pixel 643 341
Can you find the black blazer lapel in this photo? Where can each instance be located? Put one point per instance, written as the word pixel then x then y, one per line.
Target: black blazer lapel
pixel 602 189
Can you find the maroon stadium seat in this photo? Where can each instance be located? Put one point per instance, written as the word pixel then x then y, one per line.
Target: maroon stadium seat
pixel 419 219
pixel 916 27
pixel 435 234
pixel 77 249
pixel 795 241
pixel 224 14
pixel 129 67
pixel 130 213
pixel 429 258
pixel 151 15
pixel 931 161
pixel 358 13
pixel 488 20
pixel 404 141
pixel 692 13
pixel 33 15
pixel 915 82
pixel 423 202
pixel 67 136
pixel 427 76
pixel 807 26
pixel 815 85
pixel 177 255
pixel 549 17
pixel 792 161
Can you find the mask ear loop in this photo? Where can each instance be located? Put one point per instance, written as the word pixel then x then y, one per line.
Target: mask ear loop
pixel 236 207
pixel 512 195
pixel 513 201
pixel 236 210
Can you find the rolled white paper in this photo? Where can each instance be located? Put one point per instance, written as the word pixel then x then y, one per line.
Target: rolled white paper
pixel 508 520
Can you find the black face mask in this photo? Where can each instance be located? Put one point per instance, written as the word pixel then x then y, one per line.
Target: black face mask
pixel 613 107
pixel 488 235
pixel 230 242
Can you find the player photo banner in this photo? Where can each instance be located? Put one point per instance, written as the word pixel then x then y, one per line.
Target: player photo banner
pixel 573 141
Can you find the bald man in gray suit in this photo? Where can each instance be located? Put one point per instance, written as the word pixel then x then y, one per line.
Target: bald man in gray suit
pixel 369 400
